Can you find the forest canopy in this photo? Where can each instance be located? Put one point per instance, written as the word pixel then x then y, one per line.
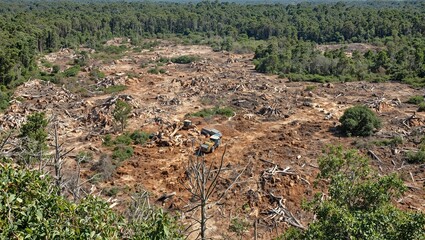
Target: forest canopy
pixel 290 34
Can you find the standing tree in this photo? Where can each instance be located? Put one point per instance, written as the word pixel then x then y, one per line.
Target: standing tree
pixel 121 112
pixel 34 135
pixel 358 204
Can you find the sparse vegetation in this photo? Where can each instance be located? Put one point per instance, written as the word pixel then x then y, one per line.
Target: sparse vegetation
pixel 238 226
pixel 359 121
pixel 225 111
pixel 72 71
pixel 184 59
pixel 114 89
pixel 416 157
pixel 121 113
pixel 122 152
pixel 139 137
pixel 359 205
pixel 416 100
pixel 421 107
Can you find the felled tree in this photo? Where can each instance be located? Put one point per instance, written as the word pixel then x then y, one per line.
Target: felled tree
pixel 121 112
pixel 359 203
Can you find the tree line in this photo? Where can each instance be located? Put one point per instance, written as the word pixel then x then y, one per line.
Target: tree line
pixel 28 28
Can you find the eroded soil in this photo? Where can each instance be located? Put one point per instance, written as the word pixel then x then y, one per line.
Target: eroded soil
pixel 303 122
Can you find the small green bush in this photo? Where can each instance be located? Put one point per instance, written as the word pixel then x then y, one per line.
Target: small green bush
pixel 153 71
pixel 107 140
pixel 238 226
pixel 122 153
pixel 139 137
pixel 416 157
pixel 359 121
pixel 114 89
pixel 123 139
pixel 72 71
pixel 416 100
pixel 421 107
pixel 225 111
pixel 184 59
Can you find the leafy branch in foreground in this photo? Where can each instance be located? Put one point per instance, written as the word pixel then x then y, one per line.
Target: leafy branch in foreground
pixel 359 203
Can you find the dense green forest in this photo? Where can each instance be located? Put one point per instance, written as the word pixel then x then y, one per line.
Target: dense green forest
pixel 29 28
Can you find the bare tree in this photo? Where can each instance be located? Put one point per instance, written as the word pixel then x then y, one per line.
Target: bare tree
pixel 202 183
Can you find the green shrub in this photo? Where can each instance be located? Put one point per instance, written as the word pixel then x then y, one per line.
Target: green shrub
pixel 122 153
pixel 421 107
pixel 56 69
pixel 225 111
pixel 416 100
pixel 107 140
pixel 416 157
pixel 114 89
pixel 139 137
pixel 310 88
pixel 184 59
pixel 153 71
pixel 162 70
pixel 238 226
pixel 72 71
pixel 123 139
pixel 359 121
pixel 111 192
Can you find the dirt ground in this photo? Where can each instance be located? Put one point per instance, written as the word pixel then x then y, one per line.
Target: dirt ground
pixel 301 120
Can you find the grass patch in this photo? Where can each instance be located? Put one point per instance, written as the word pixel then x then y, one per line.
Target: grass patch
pixel 416 100
pixel 114 89
pixel 225 111
pixel 72 71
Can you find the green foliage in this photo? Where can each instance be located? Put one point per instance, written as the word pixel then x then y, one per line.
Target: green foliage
pixel 395 141
pixel 31 209
pixel 4 98
pixel 72 71
pixel 97 74
pixel 225 111
pixel 153 70
pixel 184 59
pixel 122 152
pixel 421 107
pixel 238 226
pixel 55 69
pixel 359 204
pixel 121 113
pixel 416 100
pixel 139 137
pixel 34 135
pixel 359 121
pixel 107 140
pixel 114 89
pixel 416 157
pixel 123 139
